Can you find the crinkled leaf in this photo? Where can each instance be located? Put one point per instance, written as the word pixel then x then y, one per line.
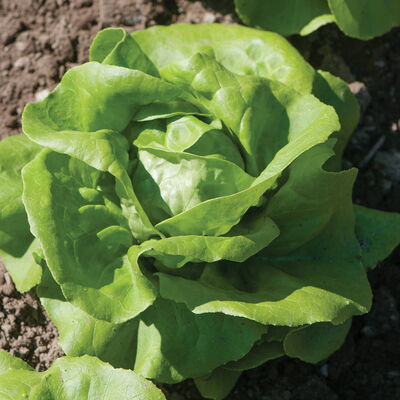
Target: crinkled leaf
pixel 88 378
pixel 241 50
pixel 100 99
pixel 72 378
pixel 84 244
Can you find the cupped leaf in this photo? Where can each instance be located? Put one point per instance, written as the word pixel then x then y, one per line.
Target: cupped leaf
pixel 184 180
pixel 378 233
pixel 84 244
pixel 316 342
pixel 117 47
pixel 15 235
pixel 175 344
pixel 100 99
pixel 243 51
pixel 190 134
pixel 285 17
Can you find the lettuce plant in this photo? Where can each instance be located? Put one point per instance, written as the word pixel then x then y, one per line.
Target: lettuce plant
pixel 361 19
pixel 72 378
pixel 179 204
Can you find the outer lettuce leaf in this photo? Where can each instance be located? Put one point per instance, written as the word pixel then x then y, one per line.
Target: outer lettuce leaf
pixel 261 352
pixel 365 19
pixel 15 153
pixel 84 244
pixel 289 292
pixel 218 384
pixel 285 17
pixel 316 342
pixel 378 233
pixel 25 271
pixel 362 19
pixel 72 378
pixel 174 344
pixel 158 346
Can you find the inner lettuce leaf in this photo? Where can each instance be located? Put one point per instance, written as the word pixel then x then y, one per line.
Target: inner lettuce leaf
pixel 362 19
pixel 182 210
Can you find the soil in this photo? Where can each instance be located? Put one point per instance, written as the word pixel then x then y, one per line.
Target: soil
pixel 41 39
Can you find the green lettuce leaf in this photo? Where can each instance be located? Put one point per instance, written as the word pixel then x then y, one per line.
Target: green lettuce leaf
pixel 378 233
pixel 363 19
pixel 15 235
pixel 72 378
pixel 285 17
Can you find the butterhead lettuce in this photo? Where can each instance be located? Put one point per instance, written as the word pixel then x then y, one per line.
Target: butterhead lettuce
pixel 179 202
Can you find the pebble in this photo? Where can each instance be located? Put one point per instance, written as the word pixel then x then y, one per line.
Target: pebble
pixel 324 370
pixel 41 94
pixel 22 62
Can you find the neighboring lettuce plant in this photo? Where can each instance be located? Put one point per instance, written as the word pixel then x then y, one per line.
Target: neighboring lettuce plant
pixel 72 378
pixel 361 19
pixel 182 208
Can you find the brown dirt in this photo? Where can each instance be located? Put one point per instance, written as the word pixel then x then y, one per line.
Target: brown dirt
pixel 41 39
pixel 26 331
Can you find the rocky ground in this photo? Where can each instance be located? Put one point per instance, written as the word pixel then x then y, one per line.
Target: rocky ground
pixel 41 39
